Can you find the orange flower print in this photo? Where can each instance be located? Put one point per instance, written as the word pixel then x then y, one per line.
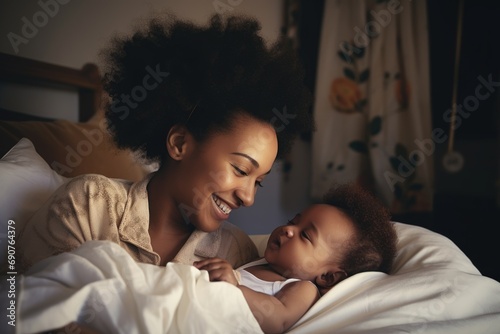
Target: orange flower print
pixel 344 95
pixel 402 91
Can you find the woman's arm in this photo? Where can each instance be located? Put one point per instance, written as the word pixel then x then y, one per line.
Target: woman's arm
pixel 278 313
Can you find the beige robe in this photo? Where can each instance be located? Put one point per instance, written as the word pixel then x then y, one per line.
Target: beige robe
pixel 94 207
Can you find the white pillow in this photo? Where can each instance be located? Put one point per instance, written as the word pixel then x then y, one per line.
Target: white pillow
pixel 26 181
pixel 417 248
pixel 420 248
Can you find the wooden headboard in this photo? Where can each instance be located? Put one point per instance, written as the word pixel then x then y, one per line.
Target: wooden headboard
pixel 69 147
pixel 87 81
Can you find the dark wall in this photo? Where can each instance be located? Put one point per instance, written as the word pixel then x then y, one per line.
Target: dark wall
pixel 466 202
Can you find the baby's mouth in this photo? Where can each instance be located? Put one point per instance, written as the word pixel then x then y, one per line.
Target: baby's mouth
pixel 277 242
pixel 221 205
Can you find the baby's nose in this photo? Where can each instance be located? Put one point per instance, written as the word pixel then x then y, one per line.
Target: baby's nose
pixel 288 232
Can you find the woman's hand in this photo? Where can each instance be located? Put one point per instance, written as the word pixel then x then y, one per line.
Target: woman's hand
pixel 218 270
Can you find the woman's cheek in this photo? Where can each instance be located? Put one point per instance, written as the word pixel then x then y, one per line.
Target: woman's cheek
pixel 221 179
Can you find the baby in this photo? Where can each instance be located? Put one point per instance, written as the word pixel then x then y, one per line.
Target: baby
pixel 348 233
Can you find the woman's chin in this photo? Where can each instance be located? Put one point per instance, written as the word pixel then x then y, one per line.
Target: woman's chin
pixel 208 225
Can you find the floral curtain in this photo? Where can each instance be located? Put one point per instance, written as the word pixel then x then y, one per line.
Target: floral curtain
pixel 372 102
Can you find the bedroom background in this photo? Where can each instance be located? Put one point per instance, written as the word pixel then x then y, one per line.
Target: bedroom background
pixel 464 205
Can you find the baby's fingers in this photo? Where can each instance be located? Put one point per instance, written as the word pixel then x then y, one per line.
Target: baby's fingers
pixel 207 264
pixel 222 274
pixel 216 275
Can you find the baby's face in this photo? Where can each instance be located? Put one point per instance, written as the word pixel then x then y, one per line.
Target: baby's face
pixel 310 242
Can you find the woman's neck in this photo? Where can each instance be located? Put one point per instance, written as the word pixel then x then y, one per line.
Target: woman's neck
pixel 168 231
pixel 164 216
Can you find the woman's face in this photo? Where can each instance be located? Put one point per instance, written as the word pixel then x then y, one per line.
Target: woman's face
pixel 224 172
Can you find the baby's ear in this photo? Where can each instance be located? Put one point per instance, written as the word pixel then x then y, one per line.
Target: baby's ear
pixel 330 278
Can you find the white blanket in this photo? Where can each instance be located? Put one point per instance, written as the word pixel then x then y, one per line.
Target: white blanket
pixel 434 289
pixel 101 286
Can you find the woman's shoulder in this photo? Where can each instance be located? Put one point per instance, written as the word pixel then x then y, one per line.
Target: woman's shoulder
pixel 93 187
pixel 241 247
pixel 96 181
pixel 232 231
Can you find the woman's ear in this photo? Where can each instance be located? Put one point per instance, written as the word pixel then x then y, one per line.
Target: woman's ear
pixel 177 141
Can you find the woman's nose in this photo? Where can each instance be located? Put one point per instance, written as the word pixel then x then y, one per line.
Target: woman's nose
pixel 246 195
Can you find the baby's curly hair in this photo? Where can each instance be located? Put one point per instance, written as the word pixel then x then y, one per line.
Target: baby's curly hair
pixel 374 247
pixel 175 72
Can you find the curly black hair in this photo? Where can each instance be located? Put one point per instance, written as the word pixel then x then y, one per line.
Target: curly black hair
pixel 374 246
pixel 175 72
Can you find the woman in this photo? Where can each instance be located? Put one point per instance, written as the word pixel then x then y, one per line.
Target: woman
pixel 214 107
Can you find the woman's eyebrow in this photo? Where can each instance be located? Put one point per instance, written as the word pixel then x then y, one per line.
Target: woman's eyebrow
pixel 252 160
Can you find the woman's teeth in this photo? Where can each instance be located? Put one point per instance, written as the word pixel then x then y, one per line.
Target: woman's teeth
pixel 224 208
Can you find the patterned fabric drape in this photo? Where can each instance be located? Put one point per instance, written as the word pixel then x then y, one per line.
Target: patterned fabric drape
pixel 372 102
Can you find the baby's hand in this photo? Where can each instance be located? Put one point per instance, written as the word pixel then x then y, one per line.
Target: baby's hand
pixel 218 270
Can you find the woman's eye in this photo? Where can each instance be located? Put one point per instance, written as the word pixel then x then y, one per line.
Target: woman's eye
pixel 304 235
pixel 289 222
pixel 259 183
pixel 240 171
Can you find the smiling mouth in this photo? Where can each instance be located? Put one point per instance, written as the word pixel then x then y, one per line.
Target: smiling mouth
pixel 221 205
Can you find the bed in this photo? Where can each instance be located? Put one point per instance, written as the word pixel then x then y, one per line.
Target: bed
pixel 434 287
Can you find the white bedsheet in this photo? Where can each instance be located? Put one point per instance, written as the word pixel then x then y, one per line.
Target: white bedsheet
pixel 101 286
pixel 434 289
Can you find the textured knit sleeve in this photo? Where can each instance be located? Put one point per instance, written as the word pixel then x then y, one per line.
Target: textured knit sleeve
pixel 236 246
pixel 85 208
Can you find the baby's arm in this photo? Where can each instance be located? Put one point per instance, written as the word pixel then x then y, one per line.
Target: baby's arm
pixel 275 314
pixel 278 313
